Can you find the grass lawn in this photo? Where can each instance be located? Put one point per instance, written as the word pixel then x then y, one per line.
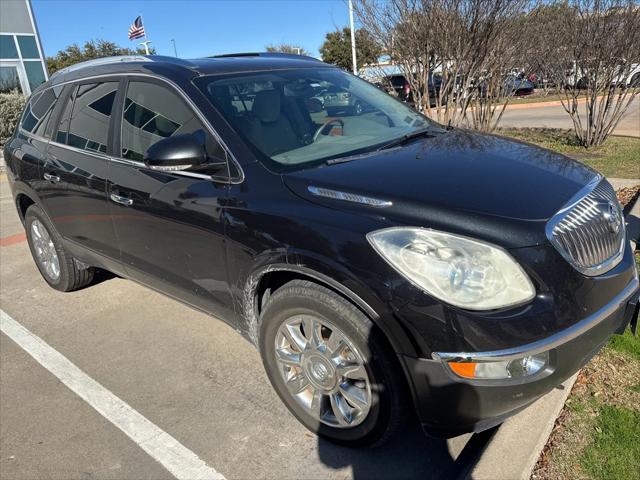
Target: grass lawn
pixel 537 97
pixel 597 435
pixel 618 157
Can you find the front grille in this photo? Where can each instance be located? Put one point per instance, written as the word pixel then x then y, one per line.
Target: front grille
pixel 589 231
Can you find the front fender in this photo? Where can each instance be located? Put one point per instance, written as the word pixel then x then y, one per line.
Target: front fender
pixel 326 272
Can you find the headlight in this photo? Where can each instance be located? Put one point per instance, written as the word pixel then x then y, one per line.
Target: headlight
pixel 457 270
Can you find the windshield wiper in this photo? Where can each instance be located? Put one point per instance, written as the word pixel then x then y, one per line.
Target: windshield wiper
pixel 425 132
pixel 345 159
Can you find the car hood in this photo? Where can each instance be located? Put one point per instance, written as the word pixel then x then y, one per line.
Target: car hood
pixel 461 181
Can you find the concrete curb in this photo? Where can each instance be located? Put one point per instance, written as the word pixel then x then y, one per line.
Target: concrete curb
pixel 618 183
pixel 521 439
pixel 523 106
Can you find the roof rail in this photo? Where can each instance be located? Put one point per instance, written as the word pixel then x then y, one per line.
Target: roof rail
pixel 102 61
pixel 265 54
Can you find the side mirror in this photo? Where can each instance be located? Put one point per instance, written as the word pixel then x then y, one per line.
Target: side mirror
pixel 178 152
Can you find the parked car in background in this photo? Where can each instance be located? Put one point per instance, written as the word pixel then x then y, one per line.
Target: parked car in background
pixel 337 99
pixel 398 86
pixel 630 79
pixel 518 85
pixel 383 265
pixel 540 80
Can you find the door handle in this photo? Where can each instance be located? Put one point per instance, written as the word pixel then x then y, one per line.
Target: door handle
pixel 51 177
pixel 121 200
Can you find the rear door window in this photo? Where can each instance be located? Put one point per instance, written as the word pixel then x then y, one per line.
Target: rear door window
pixel 91 115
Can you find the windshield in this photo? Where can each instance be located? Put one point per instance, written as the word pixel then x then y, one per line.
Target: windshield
pixel 296 118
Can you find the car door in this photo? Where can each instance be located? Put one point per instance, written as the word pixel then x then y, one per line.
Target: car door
pixel 169 224
pixel 74 186
pixel 32 138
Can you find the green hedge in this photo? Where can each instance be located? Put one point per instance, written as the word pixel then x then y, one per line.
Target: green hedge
pixel 11 105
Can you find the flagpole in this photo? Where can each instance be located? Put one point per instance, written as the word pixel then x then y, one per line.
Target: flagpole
pixel 146 42
pixel 353 39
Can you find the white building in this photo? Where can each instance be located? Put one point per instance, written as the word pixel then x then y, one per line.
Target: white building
pixel 22 64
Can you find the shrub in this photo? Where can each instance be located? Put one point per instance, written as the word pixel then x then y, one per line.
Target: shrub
pixel 11 105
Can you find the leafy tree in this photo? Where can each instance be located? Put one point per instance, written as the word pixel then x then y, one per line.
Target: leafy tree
pixel 336 48
pixel 92 49
pixel 287 48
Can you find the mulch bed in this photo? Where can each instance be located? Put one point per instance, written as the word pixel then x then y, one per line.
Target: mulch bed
pixel 628 195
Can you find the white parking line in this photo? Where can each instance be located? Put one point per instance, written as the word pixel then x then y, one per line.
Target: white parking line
pixel 162 447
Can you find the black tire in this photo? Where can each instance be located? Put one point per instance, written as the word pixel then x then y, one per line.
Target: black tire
pixel 357 109
pixel 635 80
pixel 332 112
pixel 389 396
pixel 73 275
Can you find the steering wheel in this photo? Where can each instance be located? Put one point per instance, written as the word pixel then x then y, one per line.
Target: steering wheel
pixel 325 130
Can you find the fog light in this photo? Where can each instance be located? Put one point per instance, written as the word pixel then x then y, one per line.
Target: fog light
pixel 518 368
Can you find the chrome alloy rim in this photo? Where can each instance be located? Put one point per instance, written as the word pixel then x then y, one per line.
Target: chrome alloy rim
pixel 46 254
pixel 323 371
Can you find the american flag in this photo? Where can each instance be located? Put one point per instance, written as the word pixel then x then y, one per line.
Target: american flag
pixel 136 30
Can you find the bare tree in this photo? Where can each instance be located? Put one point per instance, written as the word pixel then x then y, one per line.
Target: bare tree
pixel 589 47
pixel 454 53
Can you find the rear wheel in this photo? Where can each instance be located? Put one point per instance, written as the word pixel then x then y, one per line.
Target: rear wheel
pixel 59 269
pixel 330 366
pixel 635 80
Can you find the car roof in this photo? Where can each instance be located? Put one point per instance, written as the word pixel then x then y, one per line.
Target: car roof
pixel 170 66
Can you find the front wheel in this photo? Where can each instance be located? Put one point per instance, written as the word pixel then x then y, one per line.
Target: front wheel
pixel 330 366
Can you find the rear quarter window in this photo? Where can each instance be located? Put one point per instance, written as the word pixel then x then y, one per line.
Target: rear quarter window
pixel 38 111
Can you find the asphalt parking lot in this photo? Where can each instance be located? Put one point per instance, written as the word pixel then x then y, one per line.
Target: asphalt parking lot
pixel 192 377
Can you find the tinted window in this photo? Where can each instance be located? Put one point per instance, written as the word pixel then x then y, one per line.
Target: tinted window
pixel 89 126
pixel 38 110
pixel 8 47
pixel 153 112
pixel 35 73
pixel 398 81
pixel 28 47
pixel 63 122
pixel 9 79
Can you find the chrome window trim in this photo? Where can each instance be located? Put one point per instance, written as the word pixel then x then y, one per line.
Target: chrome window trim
pixel 196 110
pixel 601 268
pixel 103 156
pixel 550 342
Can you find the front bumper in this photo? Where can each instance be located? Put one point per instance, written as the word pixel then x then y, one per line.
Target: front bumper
pixel 449 405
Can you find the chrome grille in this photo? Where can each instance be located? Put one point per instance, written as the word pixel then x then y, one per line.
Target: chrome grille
pixel 589 231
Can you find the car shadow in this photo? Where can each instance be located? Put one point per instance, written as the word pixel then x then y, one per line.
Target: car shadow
pixel 411 454
pixel 101 275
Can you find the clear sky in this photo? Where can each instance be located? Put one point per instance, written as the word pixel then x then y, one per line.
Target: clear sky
pixel 200 27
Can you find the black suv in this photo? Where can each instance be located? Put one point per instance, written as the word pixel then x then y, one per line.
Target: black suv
pixel 380 262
